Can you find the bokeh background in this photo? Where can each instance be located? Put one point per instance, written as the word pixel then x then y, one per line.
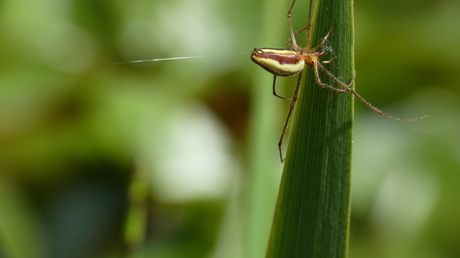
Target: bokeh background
pixel 101 158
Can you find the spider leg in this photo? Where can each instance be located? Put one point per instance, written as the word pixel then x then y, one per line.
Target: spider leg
pixel 294 43
pixel 339 82
pixel 291 108
pixel 295 35
pixel 369 105
pixel 378 111
pixel 274 90
pixel 290 23
pixel 328 61
pixel 322 42
pixel 318 80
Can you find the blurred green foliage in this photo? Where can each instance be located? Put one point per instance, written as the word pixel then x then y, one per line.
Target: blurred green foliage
pixel 87 145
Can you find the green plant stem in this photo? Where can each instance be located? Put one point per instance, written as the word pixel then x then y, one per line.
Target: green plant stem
pixel 312 213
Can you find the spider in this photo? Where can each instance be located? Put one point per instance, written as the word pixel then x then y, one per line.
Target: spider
pixel 291 61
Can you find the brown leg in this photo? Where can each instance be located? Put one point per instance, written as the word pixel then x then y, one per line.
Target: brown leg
pixel 291 109
pixel 274 90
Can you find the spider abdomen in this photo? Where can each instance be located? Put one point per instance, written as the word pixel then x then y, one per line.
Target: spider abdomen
pixel 280 62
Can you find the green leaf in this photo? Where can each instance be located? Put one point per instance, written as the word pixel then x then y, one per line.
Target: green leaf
pixel 312 213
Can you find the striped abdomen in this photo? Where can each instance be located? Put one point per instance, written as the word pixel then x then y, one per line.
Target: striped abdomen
pixel 281 62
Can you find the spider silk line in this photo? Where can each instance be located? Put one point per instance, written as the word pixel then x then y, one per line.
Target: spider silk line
pixel 174 58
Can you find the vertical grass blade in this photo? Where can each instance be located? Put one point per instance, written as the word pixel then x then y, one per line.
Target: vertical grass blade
pixel 312 213
pixel 259 197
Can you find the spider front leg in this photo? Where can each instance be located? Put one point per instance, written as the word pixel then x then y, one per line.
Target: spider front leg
pixel 290 23
pixel 322 42
pixel 292 39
